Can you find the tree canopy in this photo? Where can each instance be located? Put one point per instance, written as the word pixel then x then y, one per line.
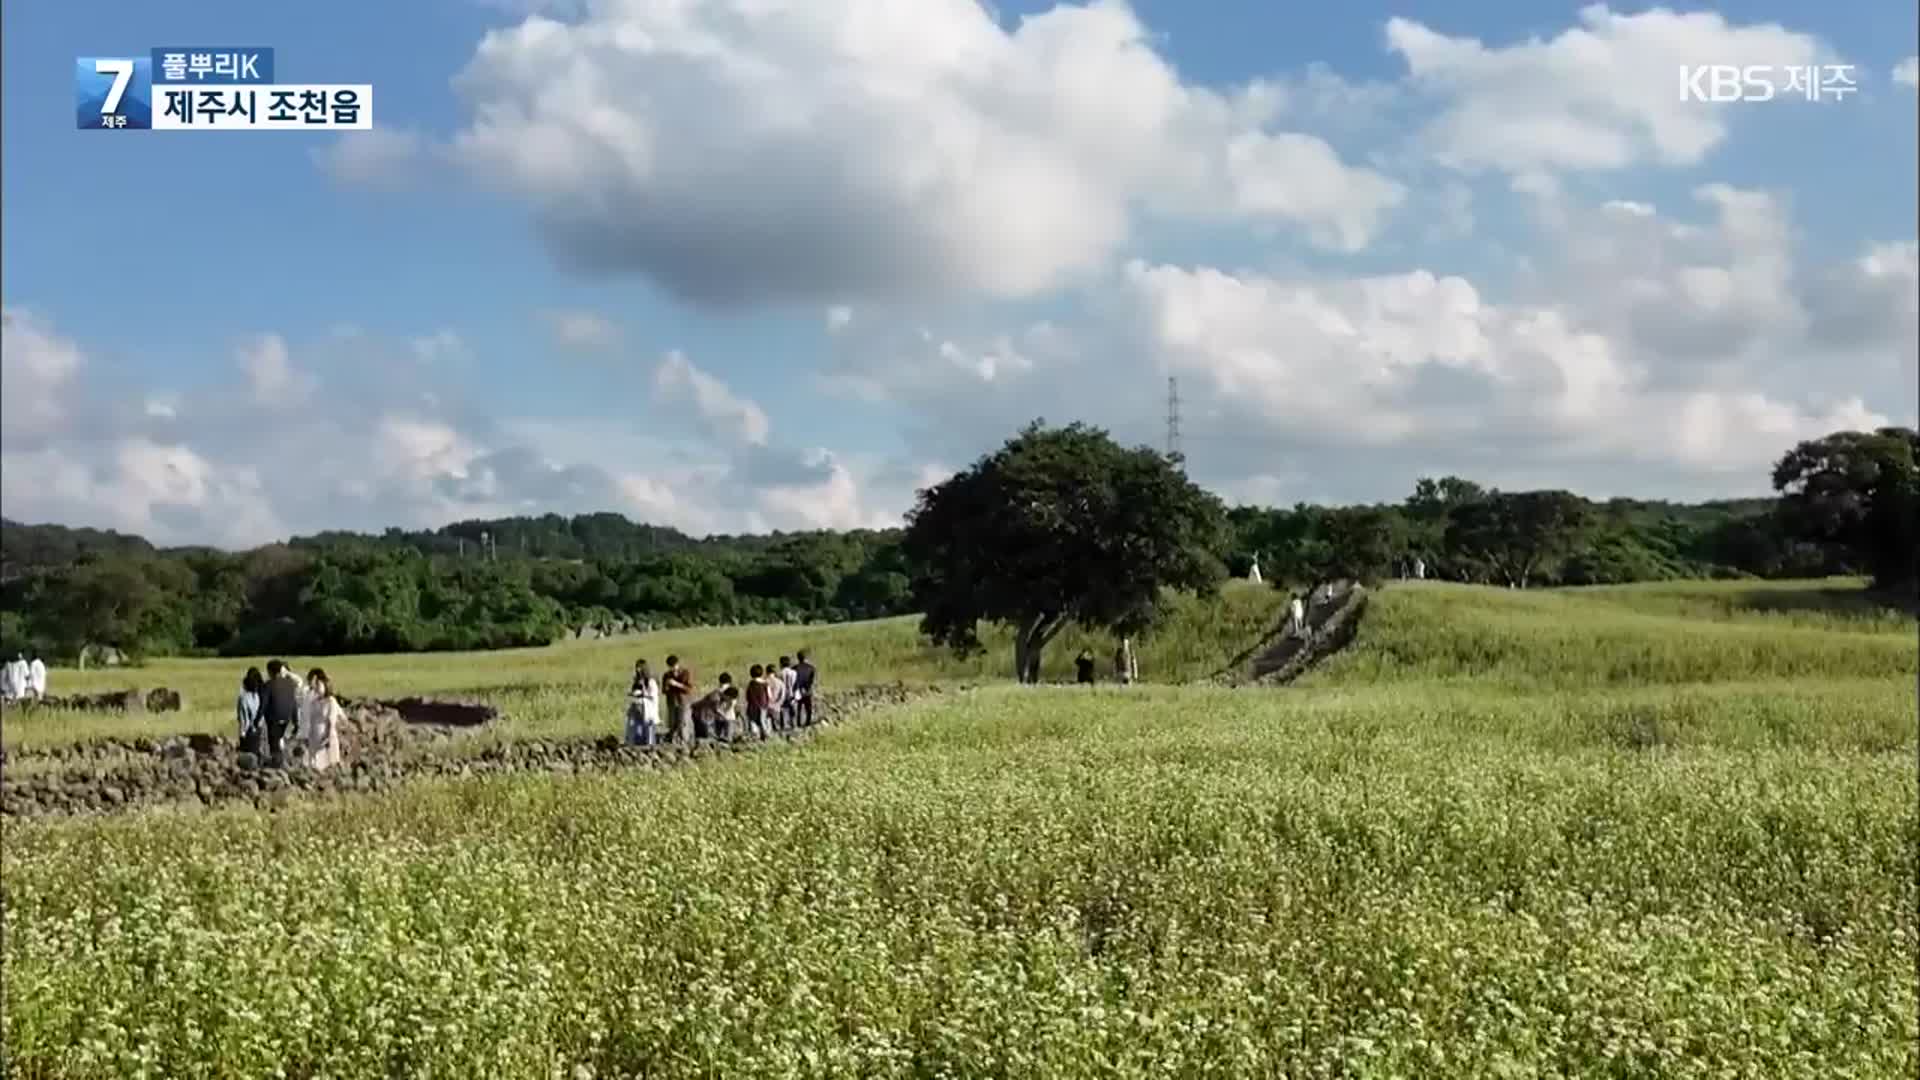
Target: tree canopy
pixel 1059 526
pixel 1859 491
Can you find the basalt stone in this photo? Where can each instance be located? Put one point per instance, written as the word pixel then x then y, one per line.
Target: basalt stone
pixel 246 760
pixel 163 700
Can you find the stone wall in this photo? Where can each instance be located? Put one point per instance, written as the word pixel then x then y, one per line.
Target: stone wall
pixel 382 750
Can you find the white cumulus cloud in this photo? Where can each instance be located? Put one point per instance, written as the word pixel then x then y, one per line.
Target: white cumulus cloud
pixel 1602 95
pixel 741 151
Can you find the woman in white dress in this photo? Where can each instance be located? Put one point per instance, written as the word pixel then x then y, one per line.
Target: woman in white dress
pixel 643 706
pixel 320 717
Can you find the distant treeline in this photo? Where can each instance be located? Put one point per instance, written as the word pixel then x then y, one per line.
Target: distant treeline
pixel 471 585
pixel 1847 507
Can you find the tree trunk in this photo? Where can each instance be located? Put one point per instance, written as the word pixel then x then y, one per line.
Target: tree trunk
pixel 1026 650
pixel 1030 642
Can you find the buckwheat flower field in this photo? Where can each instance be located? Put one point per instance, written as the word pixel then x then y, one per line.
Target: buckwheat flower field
pixel 1466 847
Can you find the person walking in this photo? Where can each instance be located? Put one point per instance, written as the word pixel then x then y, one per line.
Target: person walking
pixel 757 697
pixel 1083 667
pixel 320 720
pixel 776 699
pixel 37 679
pixel 790 679
pixel 1297 619
pixel 247 712
pixel 19 681
pixel 643 706
pixel 1125 667
pixel 677 689
pixel 280 704
pixel 804 677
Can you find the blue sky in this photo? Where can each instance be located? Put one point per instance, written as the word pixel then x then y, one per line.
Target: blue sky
pixel 777 273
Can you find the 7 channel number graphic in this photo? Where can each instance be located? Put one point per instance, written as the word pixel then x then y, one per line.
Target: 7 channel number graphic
pixel 114 92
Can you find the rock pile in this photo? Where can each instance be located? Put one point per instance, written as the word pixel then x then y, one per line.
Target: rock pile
pixel 157 700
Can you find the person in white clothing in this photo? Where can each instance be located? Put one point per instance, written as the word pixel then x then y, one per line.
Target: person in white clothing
pixel 9 690
pixel 37 678
pixel 1297 618
pixel 643 706
pixel 776 697
pixel 320 717
pixel 784 718
pixel 22 676
pixel 1125 667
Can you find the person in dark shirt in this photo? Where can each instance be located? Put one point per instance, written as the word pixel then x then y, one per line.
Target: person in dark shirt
pixel 677 687
pixel 759 699
pixel 280 705
pixel 1083 666
pixel 804 677
pixel 713 713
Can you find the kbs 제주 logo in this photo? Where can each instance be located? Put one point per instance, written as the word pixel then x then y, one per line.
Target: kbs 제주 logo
pixel 210 88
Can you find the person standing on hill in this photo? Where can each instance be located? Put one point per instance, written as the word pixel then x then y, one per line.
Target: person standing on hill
pixel 643 706
pixel 677 688
pixel 281 706
pixel 1083 667
pixel 247 711
pixel 1297 619
pixel 804 676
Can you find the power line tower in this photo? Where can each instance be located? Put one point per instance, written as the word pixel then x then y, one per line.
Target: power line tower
pixel 1174 454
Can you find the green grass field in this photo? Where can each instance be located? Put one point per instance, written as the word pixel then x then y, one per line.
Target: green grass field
pixel 579 688
pixel 1655 832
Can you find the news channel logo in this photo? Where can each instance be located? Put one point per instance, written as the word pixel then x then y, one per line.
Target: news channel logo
pixel 113 93
pixel 210 88
pixel 116 93
pixel 1724 83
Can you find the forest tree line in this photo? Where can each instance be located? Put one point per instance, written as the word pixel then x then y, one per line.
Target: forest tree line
pixel 1846 506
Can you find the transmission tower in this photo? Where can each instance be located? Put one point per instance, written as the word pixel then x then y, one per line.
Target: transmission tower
pixel 1173 423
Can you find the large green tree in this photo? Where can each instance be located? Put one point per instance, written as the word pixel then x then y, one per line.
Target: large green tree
pixel 1860 491
pixel 1427 513
pixel 1061 525
pixel 1355 543
pixel 1519 534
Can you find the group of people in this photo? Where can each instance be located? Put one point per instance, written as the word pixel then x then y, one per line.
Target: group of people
pixel 777 698
pixel 286 720
pixel 21 680
pixel 1126 668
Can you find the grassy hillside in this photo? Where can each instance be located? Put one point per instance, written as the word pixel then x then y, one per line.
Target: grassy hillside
pixel 1798 637
pixel 578 687
pixel 1396 880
